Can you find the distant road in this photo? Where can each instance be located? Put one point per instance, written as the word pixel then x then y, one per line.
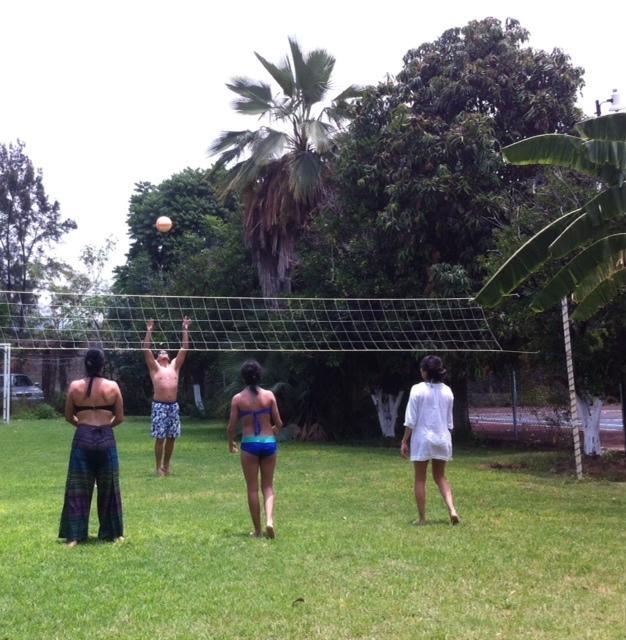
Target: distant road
pixel 610 418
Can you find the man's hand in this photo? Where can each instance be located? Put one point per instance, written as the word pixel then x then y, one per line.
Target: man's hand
pixel 186 323
pixel 150 325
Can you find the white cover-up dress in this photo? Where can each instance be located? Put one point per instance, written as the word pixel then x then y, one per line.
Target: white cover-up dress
pixel 429 416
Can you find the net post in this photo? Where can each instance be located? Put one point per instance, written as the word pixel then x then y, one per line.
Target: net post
pixel 573 408
pixel 6 381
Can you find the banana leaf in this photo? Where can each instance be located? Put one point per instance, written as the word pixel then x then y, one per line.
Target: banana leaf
pixel 557 149
pixel 526 260
pixel 601 296
pixel 609 127
pixel 602 209
pixel 568 278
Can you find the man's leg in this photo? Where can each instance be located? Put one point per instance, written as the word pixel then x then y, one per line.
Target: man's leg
pixel 167 455
pixel 158 455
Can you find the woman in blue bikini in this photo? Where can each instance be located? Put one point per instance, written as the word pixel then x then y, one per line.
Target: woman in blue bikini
pixel 261 424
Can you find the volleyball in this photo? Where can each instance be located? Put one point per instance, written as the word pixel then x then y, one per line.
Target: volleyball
pixel 163 224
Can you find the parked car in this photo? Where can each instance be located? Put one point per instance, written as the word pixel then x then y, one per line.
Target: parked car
pixel 22 388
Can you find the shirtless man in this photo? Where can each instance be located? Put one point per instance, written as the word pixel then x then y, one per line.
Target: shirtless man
pixel 165 411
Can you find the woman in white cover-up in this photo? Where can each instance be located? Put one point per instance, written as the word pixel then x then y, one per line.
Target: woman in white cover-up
pixel 428 424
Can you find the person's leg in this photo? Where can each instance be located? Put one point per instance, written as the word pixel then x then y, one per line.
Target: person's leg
pixel 420 489
pixel 172 431
pixel 439 476
pixel 268 465
pixel 167 454
pixel 79 486
pixel 158 455
pixel 109 496
pixel 250 466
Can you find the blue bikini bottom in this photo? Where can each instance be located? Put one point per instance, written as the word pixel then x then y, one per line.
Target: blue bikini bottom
pixel 260 446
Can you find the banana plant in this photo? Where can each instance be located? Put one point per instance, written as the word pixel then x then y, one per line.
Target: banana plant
pixel 596 273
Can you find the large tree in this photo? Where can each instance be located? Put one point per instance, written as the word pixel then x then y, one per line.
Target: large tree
pixel 29 222
pixel 281 174
pixel 419 185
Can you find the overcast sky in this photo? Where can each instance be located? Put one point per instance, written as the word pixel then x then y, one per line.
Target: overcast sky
pixel 106 94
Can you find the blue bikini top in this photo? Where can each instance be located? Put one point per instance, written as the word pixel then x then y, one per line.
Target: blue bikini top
pixel 255 416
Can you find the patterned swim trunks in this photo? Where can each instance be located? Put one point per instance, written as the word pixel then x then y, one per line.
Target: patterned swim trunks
pixel 165 420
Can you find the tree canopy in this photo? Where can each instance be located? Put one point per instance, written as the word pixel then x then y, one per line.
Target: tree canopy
pixel 29 222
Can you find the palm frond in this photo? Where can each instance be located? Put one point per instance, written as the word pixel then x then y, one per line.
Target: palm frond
pixel 305 175
pixel 228 139
pixel 255 97
pixel 525 261
pixel 283 75
pixel 251 89
pixel 242 175
pixel 320 134
pixel 313 73
pixel 268 146
pixel 580 267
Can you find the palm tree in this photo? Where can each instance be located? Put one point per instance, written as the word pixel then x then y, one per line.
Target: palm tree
pixel 281 174
pixel 597 231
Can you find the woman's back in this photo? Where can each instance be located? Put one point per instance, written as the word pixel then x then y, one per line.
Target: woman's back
pixel 94 399
pixel 431 406
pixel 256 411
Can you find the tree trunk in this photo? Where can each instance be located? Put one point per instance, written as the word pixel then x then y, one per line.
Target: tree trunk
pixel 387 409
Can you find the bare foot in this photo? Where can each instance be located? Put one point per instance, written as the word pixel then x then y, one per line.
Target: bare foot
pixel 419 523
pixel 255 534
pixel 160 472
pixel 270 531
pixel 166 471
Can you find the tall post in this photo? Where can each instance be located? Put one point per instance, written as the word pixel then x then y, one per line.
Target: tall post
pixel 573 409
pixel 6 382
pixel 514 401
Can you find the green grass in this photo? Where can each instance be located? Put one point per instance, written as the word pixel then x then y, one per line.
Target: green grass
pixel 536 556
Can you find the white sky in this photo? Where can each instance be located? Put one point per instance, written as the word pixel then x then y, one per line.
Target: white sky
pixel 106 94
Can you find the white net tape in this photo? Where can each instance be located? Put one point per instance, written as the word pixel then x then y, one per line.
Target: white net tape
pixel 62 321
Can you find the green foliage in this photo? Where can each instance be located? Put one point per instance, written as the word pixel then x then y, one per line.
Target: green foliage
pixel 29 222
pixel 419 180
pixel 593 275
pixel 33 411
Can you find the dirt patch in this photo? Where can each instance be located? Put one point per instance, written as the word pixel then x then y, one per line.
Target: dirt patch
pixel 610 467
pixel 513 466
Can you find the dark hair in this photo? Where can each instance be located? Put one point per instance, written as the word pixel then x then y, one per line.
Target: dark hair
pixel 94 364
pixel 251 373
pixel 434 368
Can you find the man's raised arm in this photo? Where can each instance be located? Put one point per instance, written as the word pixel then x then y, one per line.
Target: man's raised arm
pixel 147 345
pixel 182 354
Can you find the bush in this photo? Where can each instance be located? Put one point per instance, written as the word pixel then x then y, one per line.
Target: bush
pixel 39 411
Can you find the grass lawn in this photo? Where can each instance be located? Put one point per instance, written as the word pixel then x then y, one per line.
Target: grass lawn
pixel 536 556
